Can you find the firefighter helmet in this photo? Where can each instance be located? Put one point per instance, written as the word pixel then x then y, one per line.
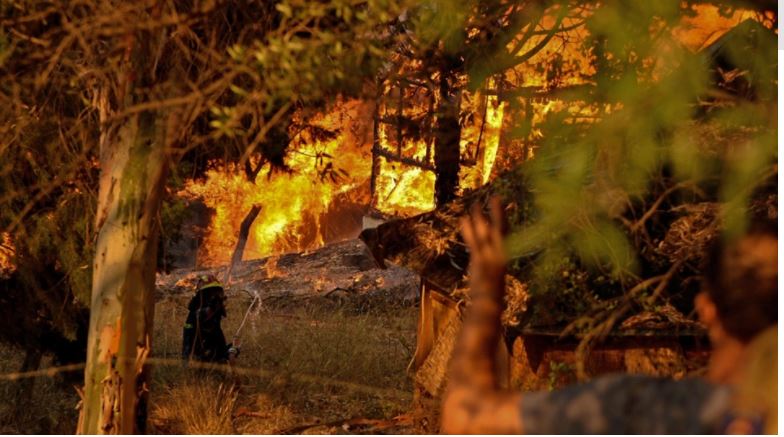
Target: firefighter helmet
pixel 207 281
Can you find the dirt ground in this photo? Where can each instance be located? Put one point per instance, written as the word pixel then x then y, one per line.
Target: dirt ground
pixel 324 349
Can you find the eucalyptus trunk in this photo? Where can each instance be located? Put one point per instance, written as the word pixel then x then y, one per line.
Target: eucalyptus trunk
pixel 133 174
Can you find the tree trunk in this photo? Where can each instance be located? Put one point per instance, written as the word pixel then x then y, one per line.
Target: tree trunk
pixel 133 174
pixel 236 257
pixel 447 141
pixel 134 162
pixel 375 166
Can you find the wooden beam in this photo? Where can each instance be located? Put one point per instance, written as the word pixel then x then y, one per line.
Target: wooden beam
pixel 393 157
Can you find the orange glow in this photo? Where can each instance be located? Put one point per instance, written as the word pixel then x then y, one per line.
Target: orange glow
pixel 293 205
pixel 7 251
pixel 401 189
pixel 271 268
pixel 405 192
pixel 495 117
pixel 707 26
pixel 566 48
pixel 484 132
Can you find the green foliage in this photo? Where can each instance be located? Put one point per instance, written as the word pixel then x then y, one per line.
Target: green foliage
pixel 558 371
pixel 443 21
pixel 585 181
pixel 52 229
pixel 322 49
pixel 233 72
pixel 66 85
pixel 649 128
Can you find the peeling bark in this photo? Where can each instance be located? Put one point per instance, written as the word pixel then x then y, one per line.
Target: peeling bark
pixel 133 174
pixel 134 163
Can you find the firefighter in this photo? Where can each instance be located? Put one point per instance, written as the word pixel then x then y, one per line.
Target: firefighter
pixel 202 336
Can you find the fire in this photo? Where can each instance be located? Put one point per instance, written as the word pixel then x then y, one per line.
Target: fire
pixel 294 206
pixel 401 189
pixel 495 117
pixel 272 270
pixel 405 191
pixel 707 25
pixel 7 251
pixel 479 141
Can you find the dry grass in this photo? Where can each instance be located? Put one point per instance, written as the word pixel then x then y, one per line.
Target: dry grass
pixel 197 406
pixel 45 406
pixel 316 364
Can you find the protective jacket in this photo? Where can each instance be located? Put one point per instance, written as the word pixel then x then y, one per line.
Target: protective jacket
pixel 202 337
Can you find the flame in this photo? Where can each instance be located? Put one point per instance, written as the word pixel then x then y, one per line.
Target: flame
pixel 406 191
pixel 495 117
pixel 294 205
pixel 401 189
pixel 479 141
pixel 707 25
pixel 272 270
pixel 7 252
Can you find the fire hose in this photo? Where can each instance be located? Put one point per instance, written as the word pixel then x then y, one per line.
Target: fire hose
pixel 235 340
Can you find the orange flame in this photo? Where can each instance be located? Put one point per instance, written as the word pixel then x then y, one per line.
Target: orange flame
pixel 406 191
pixel 272 270
pixel 707 25
pixel 7 251
pixel 293 205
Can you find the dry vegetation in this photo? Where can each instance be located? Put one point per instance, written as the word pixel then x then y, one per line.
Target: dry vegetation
pixel 311 358
pixel 314 364
pixel 49 407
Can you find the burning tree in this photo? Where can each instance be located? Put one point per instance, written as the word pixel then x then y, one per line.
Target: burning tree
pixel 144 84
pixel 606 97
pixel 103 100
pixel 442 97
